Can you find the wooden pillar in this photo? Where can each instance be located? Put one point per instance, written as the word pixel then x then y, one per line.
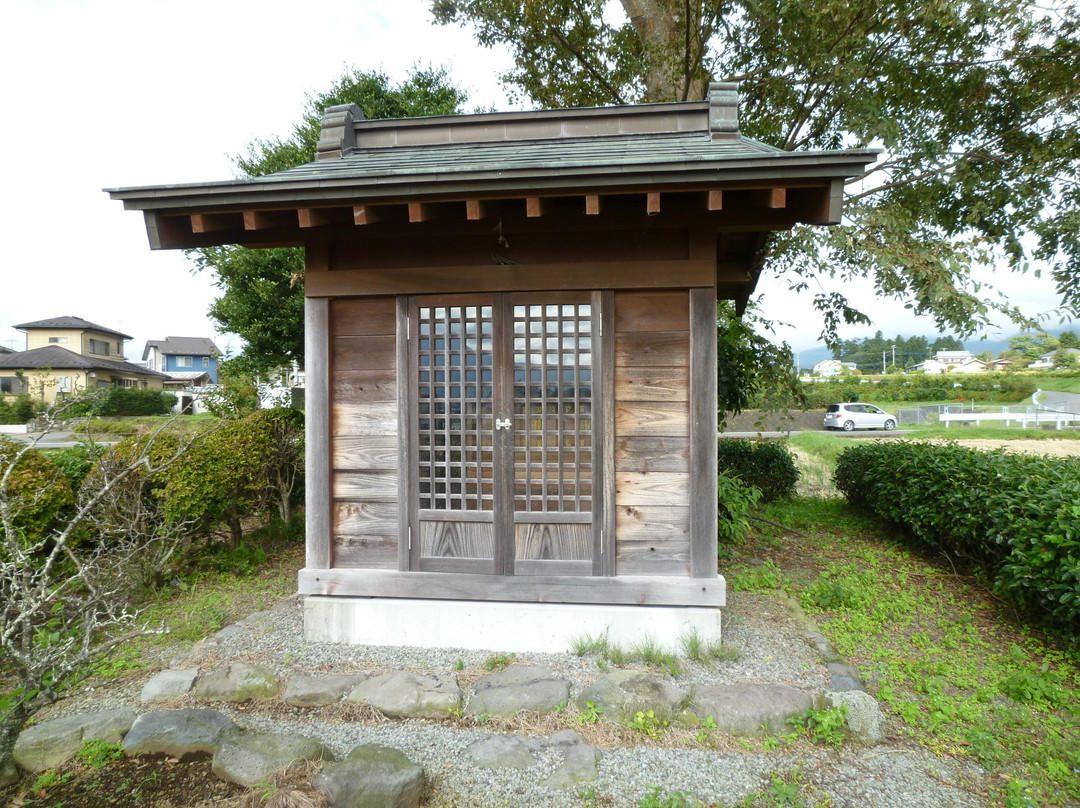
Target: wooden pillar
pixel 703 433
pixel 317 432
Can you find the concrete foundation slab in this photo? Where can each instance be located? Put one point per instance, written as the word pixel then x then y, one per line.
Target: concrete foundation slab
pixel 498 626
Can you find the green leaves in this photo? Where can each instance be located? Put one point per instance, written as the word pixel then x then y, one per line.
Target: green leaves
pixel 974 104
pixel 1016 515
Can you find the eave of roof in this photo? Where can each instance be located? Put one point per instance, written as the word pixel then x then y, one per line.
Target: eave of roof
pixel 639 163
pixel 73 323
pixel 53 357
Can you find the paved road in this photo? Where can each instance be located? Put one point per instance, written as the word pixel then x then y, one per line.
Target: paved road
pixel 1062 402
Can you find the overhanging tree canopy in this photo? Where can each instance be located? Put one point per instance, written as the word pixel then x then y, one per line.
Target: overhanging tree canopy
pixel 975 103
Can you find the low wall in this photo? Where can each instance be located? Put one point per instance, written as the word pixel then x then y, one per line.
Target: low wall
pixel 774 422
pixel 13 429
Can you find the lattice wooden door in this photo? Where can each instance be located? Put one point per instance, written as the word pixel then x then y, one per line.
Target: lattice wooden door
pixel 502 433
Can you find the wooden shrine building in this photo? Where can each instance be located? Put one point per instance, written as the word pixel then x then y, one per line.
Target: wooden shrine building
pixel 511 357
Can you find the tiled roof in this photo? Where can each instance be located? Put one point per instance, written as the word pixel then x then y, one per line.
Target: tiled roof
pixel 70 322
pixel 182 346
pixel 53 357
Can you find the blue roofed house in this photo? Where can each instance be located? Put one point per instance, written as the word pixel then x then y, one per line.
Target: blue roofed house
pixel 188 361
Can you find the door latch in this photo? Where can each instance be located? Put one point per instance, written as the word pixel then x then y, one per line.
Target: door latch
pixel 502 423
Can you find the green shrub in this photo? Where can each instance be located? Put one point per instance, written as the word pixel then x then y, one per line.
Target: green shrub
pixel 1018 516
pixel 40 494
pixel 735 500
pixel 17 410
pixel 766 465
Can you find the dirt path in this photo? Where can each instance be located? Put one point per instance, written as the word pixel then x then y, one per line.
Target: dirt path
pixel 1054 448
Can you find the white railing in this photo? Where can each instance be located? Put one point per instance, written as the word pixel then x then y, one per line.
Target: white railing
pixel 1036 418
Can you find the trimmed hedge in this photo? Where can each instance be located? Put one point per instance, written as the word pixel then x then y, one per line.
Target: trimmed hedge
pixel 1016 515
pixel 766 465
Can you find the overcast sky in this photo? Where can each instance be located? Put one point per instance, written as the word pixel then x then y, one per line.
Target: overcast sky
pixel 131 92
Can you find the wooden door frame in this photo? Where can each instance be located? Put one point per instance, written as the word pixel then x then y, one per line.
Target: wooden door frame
pixel 603 420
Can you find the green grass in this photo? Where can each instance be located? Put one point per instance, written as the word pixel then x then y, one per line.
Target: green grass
pixel 956 672
pixel 133 425
pixel 213 594
pixel 960 431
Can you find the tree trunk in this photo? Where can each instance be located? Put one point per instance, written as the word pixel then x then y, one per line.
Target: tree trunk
pixel 10 726
pixel 673 67
pixel 236 530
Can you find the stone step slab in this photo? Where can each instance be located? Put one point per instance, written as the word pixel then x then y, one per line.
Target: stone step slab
pixel 53 743
pixel 865 721
pixel 238 682
pixel 251 758
pixel 320 690
pixel 178 732
pixel 750 710
pixel 504 752
pixel 372 776
pixel 620 695
pixel 404 694
pixel 519 689
pixel 169 685
pixel 580 765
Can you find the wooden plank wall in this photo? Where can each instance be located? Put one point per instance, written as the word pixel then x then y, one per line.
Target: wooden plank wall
pixel 363 428
pixel 652 433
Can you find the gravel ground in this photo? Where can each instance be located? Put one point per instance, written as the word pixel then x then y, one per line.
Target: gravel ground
pixel 771 649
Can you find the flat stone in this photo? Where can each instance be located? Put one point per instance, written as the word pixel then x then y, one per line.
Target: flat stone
pixel 52 743
pixel 622 694
pixel 518 689
pixel 405 694
pixel 318 691
pixel 169 685
pixel 566 737
pixel 865 721
pixel 238 682
pixel 844 678
pixel 503 752
pixel 751 710
pixel 178 732
pixel 230 631
pixel 580 766
pixel 372 776
pixel 248 759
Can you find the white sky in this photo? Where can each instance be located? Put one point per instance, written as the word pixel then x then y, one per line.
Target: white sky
pixel 131 92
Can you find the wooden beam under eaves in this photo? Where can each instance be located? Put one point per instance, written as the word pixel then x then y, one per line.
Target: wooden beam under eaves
pixel 419 212
pixel 476 209
pixel 592 205
pixel 535 207
pixel 716 200
pixel 364 214
pixel 652 205
pixel 777 198
pixel 257 220
pixel 314 217
pixel 210 222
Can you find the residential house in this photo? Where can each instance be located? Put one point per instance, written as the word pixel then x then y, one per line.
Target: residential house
pixel 1046 361
pixel 188 361
pixel 833 367
pixel 68 354
pixel 511 358
pixel 951 359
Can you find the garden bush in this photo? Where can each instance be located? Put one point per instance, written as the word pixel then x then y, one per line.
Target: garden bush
pixel 16 410
pixel 766 465
pixel 1018 516
pixel 39 494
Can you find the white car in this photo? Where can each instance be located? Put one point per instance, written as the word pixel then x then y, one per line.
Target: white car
pixel 857 416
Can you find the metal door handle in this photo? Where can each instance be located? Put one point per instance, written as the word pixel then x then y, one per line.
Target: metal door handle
pixel 502 423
